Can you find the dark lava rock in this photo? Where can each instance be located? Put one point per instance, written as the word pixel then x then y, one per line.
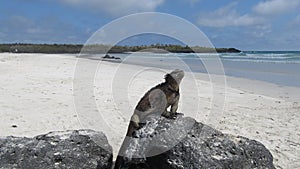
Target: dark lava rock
pixel 184 143
pixel 66 149
pixel 110 57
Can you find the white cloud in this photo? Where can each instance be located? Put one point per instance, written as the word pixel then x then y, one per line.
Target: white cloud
pixel 116 7
pixel 228 16
pixel 260 30
pixel 275 7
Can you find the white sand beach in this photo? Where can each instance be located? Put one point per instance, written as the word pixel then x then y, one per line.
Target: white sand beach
pixel 37 96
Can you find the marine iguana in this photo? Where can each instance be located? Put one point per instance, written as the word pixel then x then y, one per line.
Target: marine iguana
pixel 157 100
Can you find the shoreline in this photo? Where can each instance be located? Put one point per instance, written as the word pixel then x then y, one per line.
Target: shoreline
pixel 38 97
pixel 281 91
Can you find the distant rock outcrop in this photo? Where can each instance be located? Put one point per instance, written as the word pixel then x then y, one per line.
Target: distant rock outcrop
pixel 68 149
pixel 227 50
pixel 110 57
pixel 184 143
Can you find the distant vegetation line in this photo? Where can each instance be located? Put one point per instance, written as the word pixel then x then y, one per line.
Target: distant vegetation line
pixel 76 48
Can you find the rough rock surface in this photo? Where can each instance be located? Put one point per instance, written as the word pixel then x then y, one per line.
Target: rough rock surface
pixel 186 144
pixel 67 149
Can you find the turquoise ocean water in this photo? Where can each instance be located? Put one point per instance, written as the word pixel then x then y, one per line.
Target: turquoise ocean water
pixel 279 67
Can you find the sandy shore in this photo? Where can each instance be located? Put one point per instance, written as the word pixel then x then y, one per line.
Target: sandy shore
pixel 37 96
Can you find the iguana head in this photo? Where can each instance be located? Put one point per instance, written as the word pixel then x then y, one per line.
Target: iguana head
pixel 175 76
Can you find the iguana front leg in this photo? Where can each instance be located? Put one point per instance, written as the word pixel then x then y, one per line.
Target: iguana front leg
pixel 174 107
pixel 173 112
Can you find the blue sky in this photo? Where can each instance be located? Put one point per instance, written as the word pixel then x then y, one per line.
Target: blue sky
pixel 243 24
